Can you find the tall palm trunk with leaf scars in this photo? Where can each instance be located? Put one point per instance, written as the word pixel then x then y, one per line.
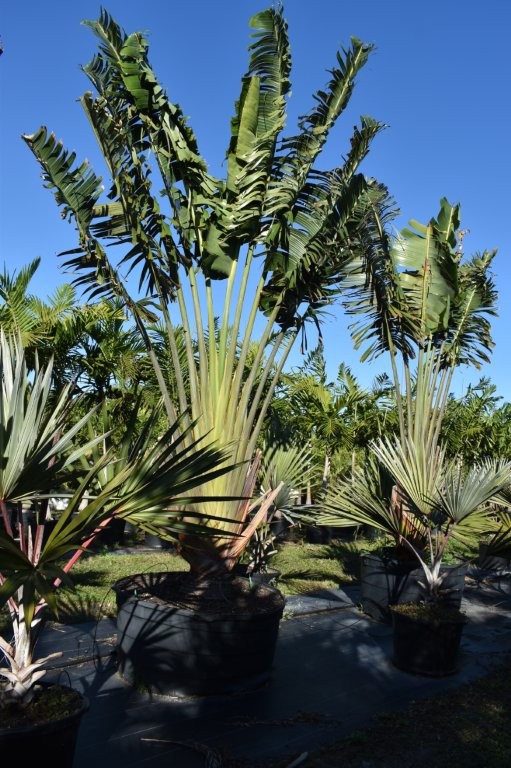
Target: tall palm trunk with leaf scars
pixel 230 265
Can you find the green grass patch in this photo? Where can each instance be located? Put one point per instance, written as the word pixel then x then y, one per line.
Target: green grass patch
pixel 307 568
pixel 93 577
pixel 304 568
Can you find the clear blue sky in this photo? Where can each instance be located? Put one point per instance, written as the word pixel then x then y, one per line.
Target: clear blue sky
pixel 439 78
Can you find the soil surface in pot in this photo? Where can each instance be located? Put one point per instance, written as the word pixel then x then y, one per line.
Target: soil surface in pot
pixel 234 595
pixel 50 702
pixel 430 614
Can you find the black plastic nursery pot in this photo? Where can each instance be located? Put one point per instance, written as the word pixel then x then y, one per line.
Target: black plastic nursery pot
pixel 168 646
pixel 111 535
pixel 425 647
pixel 387 582
pixel 491 562
pixel 52 742
pixel 383 583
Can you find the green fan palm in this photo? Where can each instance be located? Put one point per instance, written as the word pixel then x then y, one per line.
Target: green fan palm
pixel 436 504
pixel 462 505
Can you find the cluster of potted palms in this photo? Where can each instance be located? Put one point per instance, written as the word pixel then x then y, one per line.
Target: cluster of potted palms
pixel 275 242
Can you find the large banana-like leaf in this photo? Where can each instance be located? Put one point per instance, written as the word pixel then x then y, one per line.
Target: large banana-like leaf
pixel 403 287
pixel 259 119
pixel 469 340
pixel 426 260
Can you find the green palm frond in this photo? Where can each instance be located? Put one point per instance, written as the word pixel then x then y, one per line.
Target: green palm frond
pixel 18 310
pixel 61 305
pixel 363 499
pixel 18 282
pixel 463 494
pixel 289 465
pixel 374 294
pixel 309 260
pixel 415 468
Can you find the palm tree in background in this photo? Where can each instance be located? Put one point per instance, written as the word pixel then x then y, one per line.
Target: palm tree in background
pixel 338 418
pixel 475 425
pixel 91 345
pixel 27 316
